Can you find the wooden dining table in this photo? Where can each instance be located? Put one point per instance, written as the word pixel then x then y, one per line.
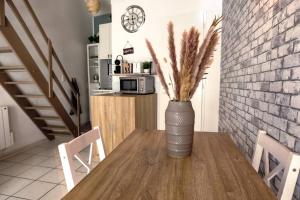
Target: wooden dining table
pixel 140 169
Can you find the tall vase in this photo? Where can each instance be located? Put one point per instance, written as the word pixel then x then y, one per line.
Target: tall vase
pixel 180 120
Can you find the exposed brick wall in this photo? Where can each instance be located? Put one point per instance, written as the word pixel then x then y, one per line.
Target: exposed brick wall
pixel 260 72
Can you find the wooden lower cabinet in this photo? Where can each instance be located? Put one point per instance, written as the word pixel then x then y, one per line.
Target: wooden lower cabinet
pixel 119 115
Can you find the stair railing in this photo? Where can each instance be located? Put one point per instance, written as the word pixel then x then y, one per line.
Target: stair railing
pixel 51 54
pixel 2 13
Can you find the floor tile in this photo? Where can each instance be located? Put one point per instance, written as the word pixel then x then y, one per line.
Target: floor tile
pixel 84 155
pixel 56 193
pixel 4 179
pixel 48 145
pixel 35 150
pixel 34 172
pixel 56 155
pixel 54 176
pixel 49 152
pixel 15 169
pixel 79 176
pixel 13 185
pixel 77 164
pixel 19 157
pixel 35 190
pixel 62 139
pixel 52 162
pixel 84 170
pixel 17 173
pixel 4 164
pixel 2 197
pixel 34 160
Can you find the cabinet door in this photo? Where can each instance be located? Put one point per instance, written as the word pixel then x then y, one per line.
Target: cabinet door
pixel 102 116
pixel 124 119
pixel 105 49
pixel 146 112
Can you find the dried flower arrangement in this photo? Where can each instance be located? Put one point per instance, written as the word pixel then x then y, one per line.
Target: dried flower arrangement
pixel 194 60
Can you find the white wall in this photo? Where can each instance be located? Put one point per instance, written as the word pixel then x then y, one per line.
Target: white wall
pixel 184 14
pixel 68 25
pixel 24 130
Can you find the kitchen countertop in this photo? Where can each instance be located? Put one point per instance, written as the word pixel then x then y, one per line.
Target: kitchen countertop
pixel 121 94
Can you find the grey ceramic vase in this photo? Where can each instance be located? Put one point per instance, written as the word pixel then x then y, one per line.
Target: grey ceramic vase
pixel 180 120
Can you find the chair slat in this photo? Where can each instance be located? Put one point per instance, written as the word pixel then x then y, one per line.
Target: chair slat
pixel 71 149
pixel 273 173
pixel 83 141
pixel 289 162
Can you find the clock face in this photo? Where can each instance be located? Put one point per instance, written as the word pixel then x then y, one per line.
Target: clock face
pixel 133 18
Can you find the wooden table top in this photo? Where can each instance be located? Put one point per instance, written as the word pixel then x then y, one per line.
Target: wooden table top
pixel 139 169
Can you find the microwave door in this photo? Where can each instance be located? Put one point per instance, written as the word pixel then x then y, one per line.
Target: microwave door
pixel 129 85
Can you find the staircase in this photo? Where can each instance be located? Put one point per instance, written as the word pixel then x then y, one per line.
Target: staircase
pixel 42 97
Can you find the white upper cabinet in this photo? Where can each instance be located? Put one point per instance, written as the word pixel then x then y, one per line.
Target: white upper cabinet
pixel 105 41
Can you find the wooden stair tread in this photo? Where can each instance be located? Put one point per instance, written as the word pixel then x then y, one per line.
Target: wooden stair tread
pixel 12 68
pixel 15 45
pixel 18 82
pixel 38 108
pixel 15 68
pixel 60 133
pixel 56 128
pixel 47 118
pixel 5 50
pixel 29 96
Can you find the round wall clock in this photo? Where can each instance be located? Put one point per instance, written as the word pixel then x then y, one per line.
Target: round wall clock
pixel 133 18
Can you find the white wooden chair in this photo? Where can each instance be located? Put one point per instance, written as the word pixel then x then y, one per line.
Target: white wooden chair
pixel 288 161
pixel 71 149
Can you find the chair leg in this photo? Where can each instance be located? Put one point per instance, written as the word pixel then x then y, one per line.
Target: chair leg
pixel 266 165
pixel 67 164
pixel 100 146
pixel 289 179
pixel 258 152
pixel 257 157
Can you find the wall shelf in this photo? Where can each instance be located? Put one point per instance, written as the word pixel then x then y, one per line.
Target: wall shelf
pixel 93 66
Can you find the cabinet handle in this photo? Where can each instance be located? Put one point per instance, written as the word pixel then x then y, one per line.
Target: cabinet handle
pixel 107 68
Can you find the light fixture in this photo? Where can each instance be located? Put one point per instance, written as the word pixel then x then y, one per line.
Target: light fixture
pixel 93 6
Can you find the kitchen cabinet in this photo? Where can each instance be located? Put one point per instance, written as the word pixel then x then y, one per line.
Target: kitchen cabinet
pixel 105 40
pixel 99 72
pixel 118 115
pixel 93 64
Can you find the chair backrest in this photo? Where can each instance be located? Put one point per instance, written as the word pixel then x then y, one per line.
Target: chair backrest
pixel 288 161
pixel 71 149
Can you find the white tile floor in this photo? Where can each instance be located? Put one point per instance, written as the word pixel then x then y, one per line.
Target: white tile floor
pixel 36 173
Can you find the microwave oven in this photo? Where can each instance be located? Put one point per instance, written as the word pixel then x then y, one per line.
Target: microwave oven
pixel 137 85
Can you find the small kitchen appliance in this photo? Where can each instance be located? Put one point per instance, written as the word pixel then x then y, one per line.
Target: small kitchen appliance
pixel 137 84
